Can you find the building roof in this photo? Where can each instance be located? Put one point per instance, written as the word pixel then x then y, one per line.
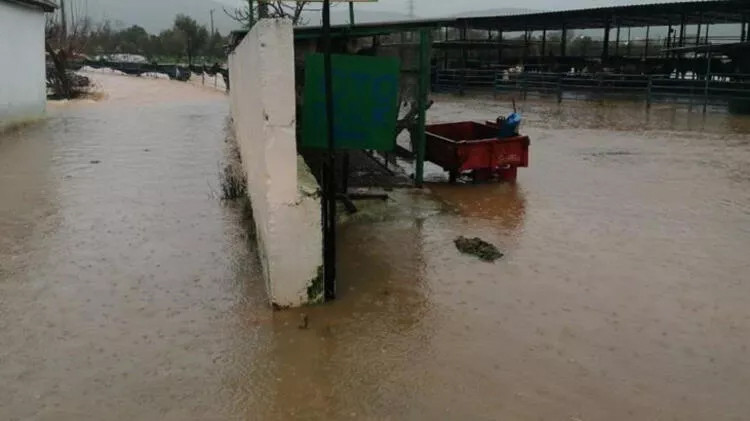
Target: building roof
pixel 45 5
pixel 659 14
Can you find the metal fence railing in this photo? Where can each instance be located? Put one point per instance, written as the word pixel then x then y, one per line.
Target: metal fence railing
pixel 714 88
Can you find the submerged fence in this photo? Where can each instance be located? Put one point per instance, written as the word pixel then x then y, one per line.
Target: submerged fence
pixel 697 88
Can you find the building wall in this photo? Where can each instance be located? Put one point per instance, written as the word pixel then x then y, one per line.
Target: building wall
pixel 23 90
pixel 285 197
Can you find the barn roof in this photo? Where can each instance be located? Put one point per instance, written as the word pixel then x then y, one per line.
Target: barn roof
pixel 45 5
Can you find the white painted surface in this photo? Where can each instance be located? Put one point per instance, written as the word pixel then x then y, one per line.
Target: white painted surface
pixel 23 90
pixel 284 195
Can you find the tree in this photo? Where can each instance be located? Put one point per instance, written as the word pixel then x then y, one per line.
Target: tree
pixel 193 35
pixel 215 48
pixel 65 37
pixel 170 44
pixel 247 15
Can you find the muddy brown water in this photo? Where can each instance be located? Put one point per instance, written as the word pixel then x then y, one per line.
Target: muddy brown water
pixel 129 291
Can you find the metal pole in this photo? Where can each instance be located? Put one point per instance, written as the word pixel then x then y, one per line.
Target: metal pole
pixel 351 13
pixel 563 40
pixel 499 46
pixel 617 41
pixel 329 187
pixel 425 41
pixel 645 51
pixel 708 80
pixel 669 37
pixel 212 22
pixel 682 30
pixel 743 31
pixel 544 42
pixel 605 47
pixel 707 28
pixel 698 31
pixel 445 50
pixel 628 44
pixel 648 92
pixel 526 37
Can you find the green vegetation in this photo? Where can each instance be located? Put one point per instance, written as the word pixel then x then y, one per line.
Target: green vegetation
pixel 478 247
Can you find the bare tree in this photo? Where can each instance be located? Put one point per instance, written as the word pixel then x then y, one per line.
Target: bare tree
pixel 66 35
pixel 271 8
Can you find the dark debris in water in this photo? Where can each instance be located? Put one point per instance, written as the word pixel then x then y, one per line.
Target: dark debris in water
pixel 478 247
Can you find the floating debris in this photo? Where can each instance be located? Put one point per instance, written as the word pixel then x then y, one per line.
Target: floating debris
pixel 478 247
pixel 304 322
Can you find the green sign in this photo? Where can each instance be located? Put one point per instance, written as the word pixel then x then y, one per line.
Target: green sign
pixel 365 102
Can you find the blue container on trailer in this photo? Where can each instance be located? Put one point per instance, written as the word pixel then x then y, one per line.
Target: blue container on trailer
pixel 509 127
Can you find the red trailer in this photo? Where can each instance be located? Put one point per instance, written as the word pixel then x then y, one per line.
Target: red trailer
pixel 474 147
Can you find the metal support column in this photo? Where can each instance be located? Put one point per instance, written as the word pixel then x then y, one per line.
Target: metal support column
pixel 708 80
pixel 499 46
pixel 351 13
pixel 698 31
pixel 617 41
pixel 329 169
pixel 544 42
pixel 464 57
pixel 669 36
pixel 446 50
pixel 605 47
pixel 645 50
pixel 707 28
pixel 682 30
pixel 525 45
pixel 425 42
pixel 564 41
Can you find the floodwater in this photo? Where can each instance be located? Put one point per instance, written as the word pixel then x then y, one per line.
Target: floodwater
pixel 129 291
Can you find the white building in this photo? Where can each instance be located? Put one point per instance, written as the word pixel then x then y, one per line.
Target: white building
pixel 23 90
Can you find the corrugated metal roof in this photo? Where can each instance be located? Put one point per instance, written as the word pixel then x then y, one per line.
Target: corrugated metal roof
pixel 45 5
pixel 655 14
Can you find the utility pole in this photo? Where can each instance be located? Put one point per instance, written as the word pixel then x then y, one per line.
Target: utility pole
pixel 212 22
pixel 63 23
pixel 411 8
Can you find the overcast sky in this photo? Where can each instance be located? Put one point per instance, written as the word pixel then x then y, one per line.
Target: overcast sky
pixel 433 8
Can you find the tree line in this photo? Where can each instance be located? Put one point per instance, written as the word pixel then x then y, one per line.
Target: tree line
pixel 185 41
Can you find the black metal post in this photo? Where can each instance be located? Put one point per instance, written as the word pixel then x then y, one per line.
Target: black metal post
pixel 669 39
pixel 499 47
pixel 544 42
pixel 563 40
pixel 698 31
pixel 605 48
pixel 446 50
pixel 329 182
pixel 617 41
pixel 645 51
pixel 682 30
pixel 708 26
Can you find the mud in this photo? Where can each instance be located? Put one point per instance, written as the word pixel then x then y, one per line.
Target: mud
pixel 129 290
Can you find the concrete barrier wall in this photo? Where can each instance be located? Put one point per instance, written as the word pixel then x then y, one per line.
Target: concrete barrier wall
pixel 23 87
pixel 285 197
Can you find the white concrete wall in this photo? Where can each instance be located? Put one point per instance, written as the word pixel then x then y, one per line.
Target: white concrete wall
pixel 284 195
pixel 23 91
